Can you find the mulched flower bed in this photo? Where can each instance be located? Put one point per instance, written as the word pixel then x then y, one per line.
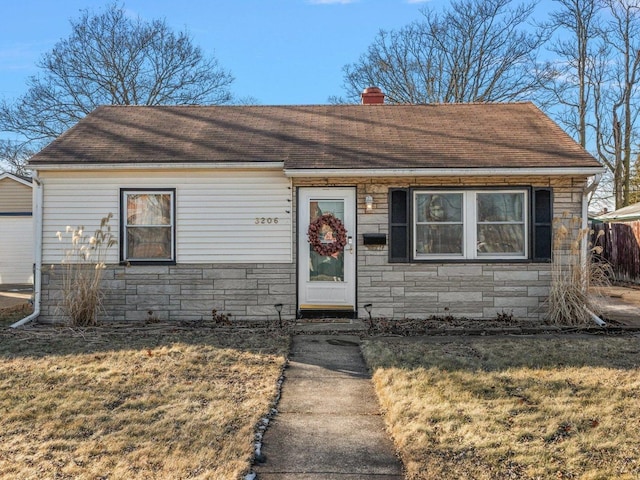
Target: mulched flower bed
pixel 465 326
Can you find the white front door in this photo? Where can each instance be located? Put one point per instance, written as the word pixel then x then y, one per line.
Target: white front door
pixel 327 271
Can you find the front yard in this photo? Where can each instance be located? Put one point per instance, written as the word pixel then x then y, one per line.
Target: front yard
pixel 547 407
pixel 155 402
pixel 162 401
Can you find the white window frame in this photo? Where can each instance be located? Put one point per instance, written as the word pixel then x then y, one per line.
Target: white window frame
pixel 470 225
pixel 124 193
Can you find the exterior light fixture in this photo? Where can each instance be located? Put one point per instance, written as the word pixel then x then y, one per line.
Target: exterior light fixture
pixel 368 203
pixel 368 307
pixel 278 307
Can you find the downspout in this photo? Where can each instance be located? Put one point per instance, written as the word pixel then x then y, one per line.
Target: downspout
pixel 37 280
pixel 585 239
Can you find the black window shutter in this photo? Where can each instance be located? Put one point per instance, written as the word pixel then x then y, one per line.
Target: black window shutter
pixel 542 224
pixel 399 225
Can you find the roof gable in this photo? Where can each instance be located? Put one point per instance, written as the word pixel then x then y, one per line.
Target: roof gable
pixel 449 136
pixel 17 178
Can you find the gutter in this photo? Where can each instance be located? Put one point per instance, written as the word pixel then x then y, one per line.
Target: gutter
pixel 439 172
pixel 38 196
pixel 258 165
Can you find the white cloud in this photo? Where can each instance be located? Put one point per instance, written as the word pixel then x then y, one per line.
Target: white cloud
pixel 331 2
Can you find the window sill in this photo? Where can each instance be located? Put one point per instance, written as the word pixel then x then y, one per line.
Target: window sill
pixel 467 260
pixel 134 263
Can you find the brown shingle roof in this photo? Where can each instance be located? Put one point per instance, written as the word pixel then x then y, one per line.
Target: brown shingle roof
pixel 329 136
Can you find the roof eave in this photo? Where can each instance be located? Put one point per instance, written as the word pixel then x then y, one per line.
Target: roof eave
pixel 618 218
pixel 328 172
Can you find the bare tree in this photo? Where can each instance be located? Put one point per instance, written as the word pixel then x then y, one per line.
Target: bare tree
pixel 574 52
pixel 597 80
pixel 110 58
pixel 623 35
pixel 13 157
pixel 476 51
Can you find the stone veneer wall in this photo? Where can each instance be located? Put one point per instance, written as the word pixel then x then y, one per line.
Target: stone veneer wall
pixel 186 292
pixel 479 290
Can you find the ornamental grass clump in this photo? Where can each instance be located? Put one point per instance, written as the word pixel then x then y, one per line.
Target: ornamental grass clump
pixel 571 300
pixel 83 265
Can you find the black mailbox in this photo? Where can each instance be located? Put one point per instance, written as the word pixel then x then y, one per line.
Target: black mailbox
pixel 374 238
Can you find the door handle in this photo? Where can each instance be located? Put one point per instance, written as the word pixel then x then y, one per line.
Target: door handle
pixel 350 243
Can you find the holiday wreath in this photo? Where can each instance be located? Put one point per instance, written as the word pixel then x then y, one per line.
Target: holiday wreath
pixel 322 243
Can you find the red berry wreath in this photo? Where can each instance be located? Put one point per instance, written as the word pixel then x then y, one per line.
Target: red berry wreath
pixel 321 242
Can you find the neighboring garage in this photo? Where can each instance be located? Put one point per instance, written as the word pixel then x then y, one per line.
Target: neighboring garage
pixel 16 230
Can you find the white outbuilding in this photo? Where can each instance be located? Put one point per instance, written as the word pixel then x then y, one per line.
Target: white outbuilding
pixel 16 230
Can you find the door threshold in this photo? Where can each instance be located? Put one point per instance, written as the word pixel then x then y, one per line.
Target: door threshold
pixel 326 314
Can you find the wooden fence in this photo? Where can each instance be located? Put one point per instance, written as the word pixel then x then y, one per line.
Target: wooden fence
pixel 621 248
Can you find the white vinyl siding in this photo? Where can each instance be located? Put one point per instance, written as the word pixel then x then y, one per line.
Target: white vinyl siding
pixel 216 211
pixel 16 252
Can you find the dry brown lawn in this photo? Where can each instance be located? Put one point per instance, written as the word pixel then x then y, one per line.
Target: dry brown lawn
pixel 10 315
pixel 556 407
pixel 155 403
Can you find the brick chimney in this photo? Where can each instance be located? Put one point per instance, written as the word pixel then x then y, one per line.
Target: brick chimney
pixel 372 96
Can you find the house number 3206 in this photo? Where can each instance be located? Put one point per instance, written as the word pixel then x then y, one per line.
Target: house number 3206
pixel 266 220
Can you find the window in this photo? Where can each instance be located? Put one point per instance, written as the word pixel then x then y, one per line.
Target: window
pixel 148 233
pixel 501 228
pixel 480 224
pixel 439 224
pixel 470 224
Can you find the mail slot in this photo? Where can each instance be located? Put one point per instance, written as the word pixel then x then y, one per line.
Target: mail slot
pixel 374 239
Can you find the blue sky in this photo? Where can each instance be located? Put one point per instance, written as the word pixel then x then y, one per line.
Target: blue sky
pixel 280 51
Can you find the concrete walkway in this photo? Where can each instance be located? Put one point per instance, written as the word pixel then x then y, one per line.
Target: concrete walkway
pixel 328 424
pixel 621 304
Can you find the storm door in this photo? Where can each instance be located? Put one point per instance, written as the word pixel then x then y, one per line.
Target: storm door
pixel 327 249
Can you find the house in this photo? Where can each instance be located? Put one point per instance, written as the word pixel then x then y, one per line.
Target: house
pixel 16 230
pixel 415 210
